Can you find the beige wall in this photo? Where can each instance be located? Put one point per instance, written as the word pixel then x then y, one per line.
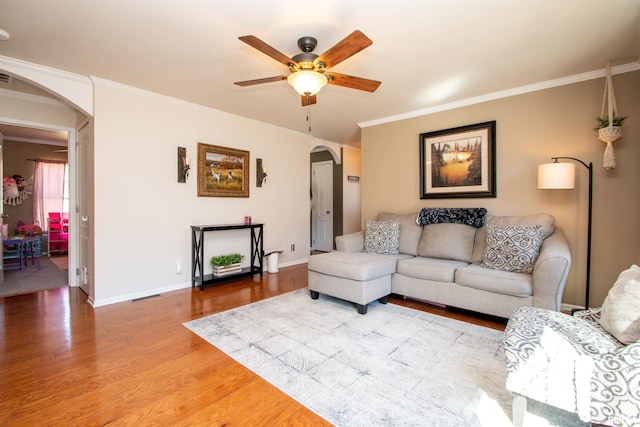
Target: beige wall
pixel 351 190
pixel 531 128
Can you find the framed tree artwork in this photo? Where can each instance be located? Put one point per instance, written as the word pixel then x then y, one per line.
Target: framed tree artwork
pixel 222 171
pixel 458 162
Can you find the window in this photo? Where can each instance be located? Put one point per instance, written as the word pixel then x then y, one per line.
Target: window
pixel 50 190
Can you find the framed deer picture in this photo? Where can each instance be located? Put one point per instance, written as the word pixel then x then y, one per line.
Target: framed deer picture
pixel 222 171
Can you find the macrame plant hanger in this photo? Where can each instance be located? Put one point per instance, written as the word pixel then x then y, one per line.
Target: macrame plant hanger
pixel 611 133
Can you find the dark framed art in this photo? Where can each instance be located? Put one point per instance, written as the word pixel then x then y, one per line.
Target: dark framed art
pixel 458 162
pixel 222 171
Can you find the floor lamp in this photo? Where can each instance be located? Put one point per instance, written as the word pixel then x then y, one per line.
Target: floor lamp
pixel 558 176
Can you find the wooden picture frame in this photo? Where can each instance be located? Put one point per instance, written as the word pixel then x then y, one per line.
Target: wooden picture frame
pixel 222 171
pixel 458 162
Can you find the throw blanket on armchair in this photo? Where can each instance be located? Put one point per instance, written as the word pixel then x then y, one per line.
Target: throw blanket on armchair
pixel 468 216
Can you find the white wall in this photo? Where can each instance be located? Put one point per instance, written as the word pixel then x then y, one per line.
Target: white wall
pixel 25 108
pixel 143 215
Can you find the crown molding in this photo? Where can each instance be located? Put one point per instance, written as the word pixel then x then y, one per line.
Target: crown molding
pixel 577 78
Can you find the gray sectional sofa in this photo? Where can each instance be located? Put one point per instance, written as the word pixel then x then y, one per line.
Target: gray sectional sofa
pixel 476 268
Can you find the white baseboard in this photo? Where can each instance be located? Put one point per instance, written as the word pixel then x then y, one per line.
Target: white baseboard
pixel 122 298
pixel 567 308
pixel 290 263
pixel 128 297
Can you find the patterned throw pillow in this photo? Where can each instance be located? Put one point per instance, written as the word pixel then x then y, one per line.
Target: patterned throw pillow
pixel 620 314
pixel 382 237
pixel 512 249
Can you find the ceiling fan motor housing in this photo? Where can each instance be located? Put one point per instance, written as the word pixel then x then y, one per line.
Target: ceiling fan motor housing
pixel 307 43
pixel 305 59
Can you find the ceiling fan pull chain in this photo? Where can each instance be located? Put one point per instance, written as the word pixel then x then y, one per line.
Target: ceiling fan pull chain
pixel 309 116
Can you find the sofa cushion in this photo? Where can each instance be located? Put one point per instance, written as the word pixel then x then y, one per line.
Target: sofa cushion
pixel 447 241
pixel 382 237
pixel 442 270
pixel 352 242
pixel 544 220
pixel 355 265
pixel 409 231
pixel 620 314
pixel 512 249
pixel 498 281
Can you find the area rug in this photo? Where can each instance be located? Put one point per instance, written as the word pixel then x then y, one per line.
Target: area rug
pixel 394 366
pixel 31 279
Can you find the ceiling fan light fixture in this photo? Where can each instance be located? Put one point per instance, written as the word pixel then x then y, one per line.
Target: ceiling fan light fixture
pixel 307 82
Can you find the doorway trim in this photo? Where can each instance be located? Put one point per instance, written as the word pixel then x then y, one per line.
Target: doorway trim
pixel 320 147
pixel 75 89
pixel 71 161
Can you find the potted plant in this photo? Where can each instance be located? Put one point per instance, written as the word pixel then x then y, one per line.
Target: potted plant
pixel 609 132
pixel 226 264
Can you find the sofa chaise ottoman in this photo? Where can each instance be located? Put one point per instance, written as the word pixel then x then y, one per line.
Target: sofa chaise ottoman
pixel 493 265
pixel 353 276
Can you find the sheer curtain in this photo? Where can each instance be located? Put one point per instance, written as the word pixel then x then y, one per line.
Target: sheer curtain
pixel 48 190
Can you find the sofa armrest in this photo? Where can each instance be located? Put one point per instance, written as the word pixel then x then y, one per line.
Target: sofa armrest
pixel 613 387
pixel 551 270
pixel 353 242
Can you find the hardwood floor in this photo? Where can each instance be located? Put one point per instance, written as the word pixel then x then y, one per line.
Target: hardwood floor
pixel 64 363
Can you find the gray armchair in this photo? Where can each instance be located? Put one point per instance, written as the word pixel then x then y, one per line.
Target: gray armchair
pixel 572 363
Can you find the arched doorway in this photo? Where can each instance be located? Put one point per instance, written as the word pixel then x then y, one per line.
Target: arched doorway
pixel 76 93
pixel 326 198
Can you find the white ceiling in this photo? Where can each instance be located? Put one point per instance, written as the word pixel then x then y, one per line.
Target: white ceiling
pixel 426 53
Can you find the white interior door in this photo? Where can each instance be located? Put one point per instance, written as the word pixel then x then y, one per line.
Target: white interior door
pixel 83 206
pixel 322 206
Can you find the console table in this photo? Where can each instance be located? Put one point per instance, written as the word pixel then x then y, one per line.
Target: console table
pixel 197 253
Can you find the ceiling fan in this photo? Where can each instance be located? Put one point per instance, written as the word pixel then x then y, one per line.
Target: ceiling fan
pixel 310 72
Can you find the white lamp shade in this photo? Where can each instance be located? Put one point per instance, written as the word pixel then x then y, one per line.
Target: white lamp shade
pixel 556 176
pixel 307 82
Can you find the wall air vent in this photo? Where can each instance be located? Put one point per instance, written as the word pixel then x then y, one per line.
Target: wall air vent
pixel 5 79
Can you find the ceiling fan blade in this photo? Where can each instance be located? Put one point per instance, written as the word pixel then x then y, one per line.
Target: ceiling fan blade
pixel 353 82
pixel 345 48
pixel 258 44
pixel 260 81
pixel 308 100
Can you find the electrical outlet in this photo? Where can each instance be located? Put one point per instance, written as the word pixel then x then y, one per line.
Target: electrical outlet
pixel 178 267
pixel 293 247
